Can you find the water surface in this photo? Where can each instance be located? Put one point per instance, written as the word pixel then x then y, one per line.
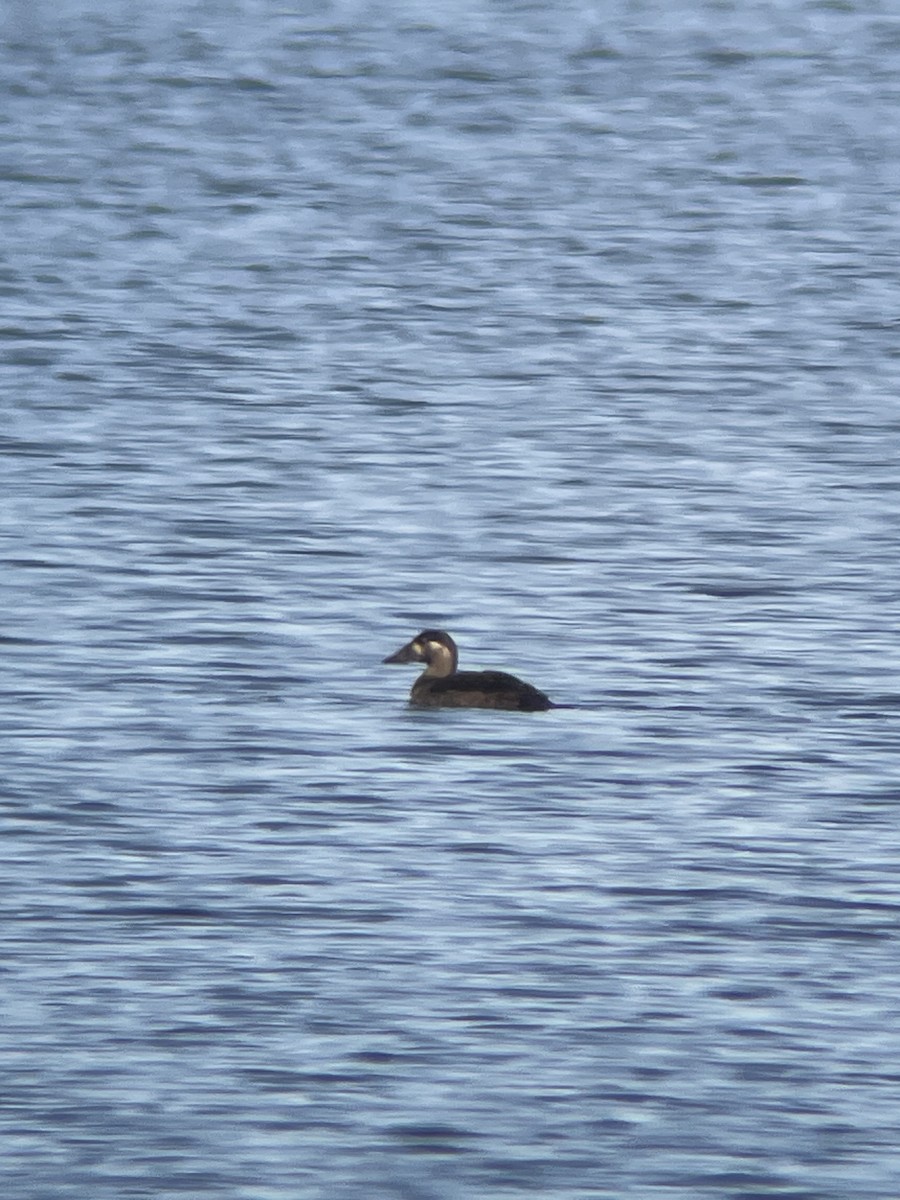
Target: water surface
pixel 569 329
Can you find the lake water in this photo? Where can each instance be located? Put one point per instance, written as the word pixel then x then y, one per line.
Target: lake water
pixel 573 329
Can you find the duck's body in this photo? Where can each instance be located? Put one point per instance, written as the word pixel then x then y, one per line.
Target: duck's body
pixel 441 685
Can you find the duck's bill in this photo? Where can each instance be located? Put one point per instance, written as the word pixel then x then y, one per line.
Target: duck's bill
pixel 406 654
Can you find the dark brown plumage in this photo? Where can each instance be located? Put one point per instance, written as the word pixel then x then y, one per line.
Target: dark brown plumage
pixel 441 685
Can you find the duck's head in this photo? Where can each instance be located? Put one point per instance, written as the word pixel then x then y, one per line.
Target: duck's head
pixel 434 648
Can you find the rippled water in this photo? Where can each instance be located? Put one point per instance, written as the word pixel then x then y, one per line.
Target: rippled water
pixel 572 329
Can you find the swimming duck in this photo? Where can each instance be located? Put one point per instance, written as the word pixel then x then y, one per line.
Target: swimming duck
pixel 441 685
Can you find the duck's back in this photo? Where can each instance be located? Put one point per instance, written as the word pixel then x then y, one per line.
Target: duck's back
pixel 479 689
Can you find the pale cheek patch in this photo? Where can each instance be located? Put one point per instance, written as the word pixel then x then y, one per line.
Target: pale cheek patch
pixel 438 655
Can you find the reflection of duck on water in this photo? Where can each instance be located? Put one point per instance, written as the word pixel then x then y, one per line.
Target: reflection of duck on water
pixel 441 685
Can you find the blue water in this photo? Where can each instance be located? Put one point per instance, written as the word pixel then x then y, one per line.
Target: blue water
pixel 569 328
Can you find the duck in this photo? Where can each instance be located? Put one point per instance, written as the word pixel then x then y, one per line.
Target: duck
pixel 442 685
